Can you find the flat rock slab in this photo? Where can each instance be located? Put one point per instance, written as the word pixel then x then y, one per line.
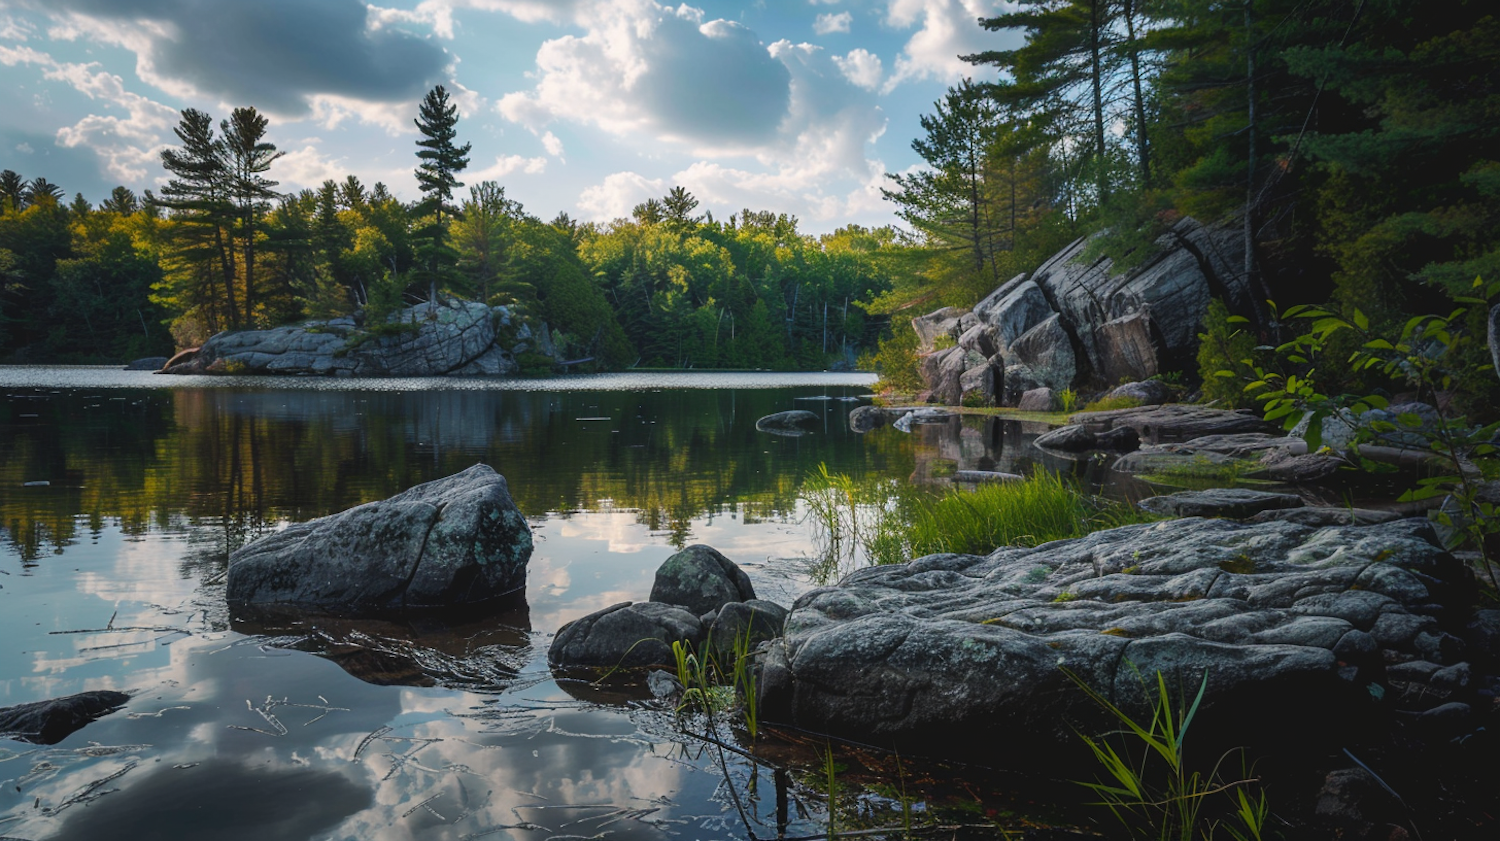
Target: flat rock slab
pixel 448 543
pixel 1173 422
pixel 965 655
pixel 1234 503
pixel 49 722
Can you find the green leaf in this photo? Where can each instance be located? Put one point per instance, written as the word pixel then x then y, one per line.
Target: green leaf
pixel 1360 320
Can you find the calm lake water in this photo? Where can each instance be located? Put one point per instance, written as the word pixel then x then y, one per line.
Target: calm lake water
pixel 111 577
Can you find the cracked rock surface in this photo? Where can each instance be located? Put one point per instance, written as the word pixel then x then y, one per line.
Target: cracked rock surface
pixel 451 542
pixel 1291 623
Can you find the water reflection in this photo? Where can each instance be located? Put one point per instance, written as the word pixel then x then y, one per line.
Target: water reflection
pixel 296 726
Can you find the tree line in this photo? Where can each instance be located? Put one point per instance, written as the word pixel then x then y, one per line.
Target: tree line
pixel 219 248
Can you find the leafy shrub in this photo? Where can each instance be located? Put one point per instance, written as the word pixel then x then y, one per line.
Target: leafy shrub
pixel 1105 404
pixel 1224 358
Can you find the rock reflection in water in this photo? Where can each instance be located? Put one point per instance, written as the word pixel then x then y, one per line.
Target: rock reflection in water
pixel 479 651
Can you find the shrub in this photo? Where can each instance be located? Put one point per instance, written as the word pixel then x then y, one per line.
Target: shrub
pixel 1224 358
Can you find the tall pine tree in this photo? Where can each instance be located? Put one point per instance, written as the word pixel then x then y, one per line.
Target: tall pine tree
pixel 440 163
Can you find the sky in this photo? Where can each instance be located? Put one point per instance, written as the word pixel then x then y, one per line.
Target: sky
pixel 586 107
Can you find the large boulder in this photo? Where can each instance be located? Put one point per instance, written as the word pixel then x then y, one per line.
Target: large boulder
pixel 625 635
pixel 977 655
pixel 1009 312
pixel 49 722
pixel 701 579
pixel 451 337
pixel 942 326
pixel 981 385
pixel 865 418
pixel 1047 350
pixel 448 543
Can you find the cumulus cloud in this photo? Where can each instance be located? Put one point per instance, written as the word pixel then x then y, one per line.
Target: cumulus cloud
pixel 641 67
pixel 277 55
pixel 830 23
pixel 553 146
pixel 618 193
pixel 948 29
pixel 126 145
pixel 505 165
pixel 861 67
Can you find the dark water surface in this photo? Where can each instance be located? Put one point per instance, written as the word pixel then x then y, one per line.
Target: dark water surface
pixel 292 728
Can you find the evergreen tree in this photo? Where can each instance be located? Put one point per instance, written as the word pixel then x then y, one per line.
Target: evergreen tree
pixel 202 272
pixel 441 161
pixel 248 157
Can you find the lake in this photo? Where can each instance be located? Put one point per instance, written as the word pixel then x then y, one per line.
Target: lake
pixel 111 577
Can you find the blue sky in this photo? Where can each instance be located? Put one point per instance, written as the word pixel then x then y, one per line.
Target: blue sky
pixel 577 106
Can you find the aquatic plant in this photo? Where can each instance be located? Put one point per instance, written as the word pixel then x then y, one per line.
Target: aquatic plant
pixel 886 522
pixel 1149 785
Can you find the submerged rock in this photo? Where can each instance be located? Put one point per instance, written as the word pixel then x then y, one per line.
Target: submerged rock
pixel 865 418
pixel 451 542
pixel 791 423
pixel 963 654
pixel 49 722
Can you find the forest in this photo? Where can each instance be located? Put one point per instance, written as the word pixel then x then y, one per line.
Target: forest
pixel 1356 141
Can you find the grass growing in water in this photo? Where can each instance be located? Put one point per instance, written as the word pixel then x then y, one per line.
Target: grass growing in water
pixel 891 522
pixel 1151 787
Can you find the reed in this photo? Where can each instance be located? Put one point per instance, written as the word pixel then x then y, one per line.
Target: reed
pixel 885 522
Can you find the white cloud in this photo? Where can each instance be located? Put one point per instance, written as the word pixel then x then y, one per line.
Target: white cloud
pixel 641 68
pixel 24 148
pixel 829 23
pixel 126 145
pixel 15 30
pixel 308 167
pixel 553 146
pixel 618 193
pixel 505 165
pixel 861 67
pixel 949 28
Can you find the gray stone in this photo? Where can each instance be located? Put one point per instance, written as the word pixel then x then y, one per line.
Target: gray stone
pixel 49 722
pixel 942 370
pixel 1047 350
pixel 938 325
pixel 1173 423
pixel 625 635
pixel 448 337
pixel 865 418
pixel 1453 677
pixel 451 542
pixel 981 340
pixel 978 386
pixel 1039 400
pixel 1069 439
pixel 147 363
pixel 700 579
pixel 1319 516
pixel 1235 503
pixel 1019 379
pixel 1119 439
pixel 961 653
pixel 743 626
pixel 790 423
pixel 1412 671
pixel 1147 392
pixel 1010 311
pixel 916 416
pixel 1125 349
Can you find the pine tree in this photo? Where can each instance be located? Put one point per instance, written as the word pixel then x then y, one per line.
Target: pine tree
pixel 248 158
pixel 440 163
